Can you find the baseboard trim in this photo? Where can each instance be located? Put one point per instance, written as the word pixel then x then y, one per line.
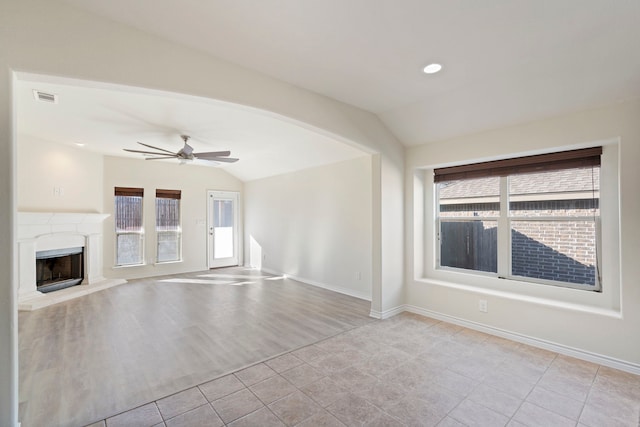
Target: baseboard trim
pixel 387 313
pixel 535 342
pixel 340 290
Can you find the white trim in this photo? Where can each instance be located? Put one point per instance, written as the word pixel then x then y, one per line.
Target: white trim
pixel 356 294
pixel 387 313
pixel 546 302
pixel 536 342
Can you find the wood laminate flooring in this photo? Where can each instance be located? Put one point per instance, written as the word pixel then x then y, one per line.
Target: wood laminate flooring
pixel 87 359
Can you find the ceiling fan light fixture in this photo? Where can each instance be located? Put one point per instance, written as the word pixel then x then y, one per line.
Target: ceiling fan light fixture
pixel 432 68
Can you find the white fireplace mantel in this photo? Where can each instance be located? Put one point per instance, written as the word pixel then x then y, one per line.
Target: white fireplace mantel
pixel 38 231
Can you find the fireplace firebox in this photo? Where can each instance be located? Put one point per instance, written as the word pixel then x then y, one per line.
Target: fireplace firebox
pixel 59 268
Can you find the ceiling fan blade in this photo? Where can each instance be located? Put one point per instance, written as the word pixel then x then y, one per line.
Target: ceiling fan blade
pixel 213 154
pixel 146 152
pixel 161 157
pixel 156 148
pixel 219 159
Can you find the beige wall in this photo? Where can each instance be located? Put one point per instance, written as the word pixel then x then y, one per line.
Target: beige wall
pixel 600 325
pixel 193 181
pixel 43 166
pixel 314 225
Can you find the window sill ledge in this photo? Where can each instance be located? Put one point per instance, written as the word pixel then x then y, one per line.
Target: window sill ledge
pixel 168 262
pixel 611 313
pixel 117 267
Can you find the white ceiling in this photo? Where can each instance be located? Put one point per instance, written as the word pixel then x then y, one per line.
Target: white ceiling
pixel 108 118
pixel 505 61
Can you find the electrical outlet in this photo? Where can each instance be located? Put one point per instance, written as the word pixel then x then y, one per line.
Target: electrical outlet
pixel 483 306
pixel 358 275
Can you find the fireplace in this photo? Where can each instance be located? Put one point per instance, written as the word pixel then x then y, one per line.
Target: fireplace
pixel 59 268
pixel 59 250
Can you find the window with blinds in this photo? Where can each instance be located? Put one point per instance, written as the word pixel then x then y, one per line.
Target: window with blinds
pixel 533 218
pixel 168 230
pixel 129 226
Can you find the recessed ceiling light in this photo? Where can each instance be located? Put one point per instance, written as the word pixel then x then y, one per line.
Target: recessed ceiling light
pixel 79 144
pixel 432 68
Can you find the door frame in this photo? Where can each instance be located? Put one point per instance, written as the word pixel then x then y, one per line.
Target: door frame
pixel 237 238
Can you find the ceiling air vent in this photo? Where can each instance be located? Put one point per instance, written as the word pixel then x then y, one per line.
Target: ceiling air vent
pixel 45 97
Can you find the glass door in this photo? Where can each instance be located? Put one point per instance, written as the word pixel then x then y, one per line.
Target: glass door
pixel 222 225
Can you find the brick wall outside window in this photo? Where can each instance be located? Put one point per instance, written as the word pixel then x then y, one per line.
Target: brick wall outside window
pixel 558 250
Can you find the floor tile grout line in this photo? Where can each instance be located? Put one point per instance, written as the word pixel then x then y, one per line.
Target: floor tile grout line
pixel 577 421
pixel 589 393
pixel 523 400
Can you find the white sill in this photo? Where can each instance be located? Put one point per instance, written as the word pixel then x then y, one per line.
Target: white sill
pixel 117 267
pixel 168 262
pixel 525 298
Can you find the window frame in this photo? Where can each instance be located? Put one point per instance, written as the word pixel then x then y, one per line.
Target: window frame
pixel 129 192
pixel 505 219
pixel 172 195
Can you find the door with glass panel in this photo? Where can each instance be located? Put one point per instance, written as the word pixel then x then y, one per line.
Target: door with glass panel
pixel 222 228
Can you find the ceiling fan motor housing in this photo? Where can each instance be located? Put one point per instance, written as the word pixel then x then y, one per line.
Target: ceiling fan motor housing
pixel 186 152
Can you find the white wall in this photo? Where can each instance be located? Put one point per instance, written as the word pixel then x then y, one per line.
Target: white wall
pixel 52 37
pixel 193 181
pixel 314 225
pixel 43 165
pixel 606 324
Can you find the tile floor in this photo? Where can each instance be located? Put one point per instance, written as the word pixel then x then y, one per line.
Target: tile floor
pixel 405 371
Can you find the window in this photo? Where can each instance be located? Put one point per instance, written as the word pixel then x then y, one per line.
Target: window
pixel 532 218
pixel 129 228
pixel 168 229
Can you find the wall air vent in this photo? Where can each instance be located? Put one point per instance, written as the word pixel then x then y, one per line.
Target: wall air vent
pixel 45 97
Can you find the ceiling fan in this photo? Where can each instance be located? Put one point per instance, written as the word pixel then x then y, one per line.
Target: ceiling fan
pixel 185 153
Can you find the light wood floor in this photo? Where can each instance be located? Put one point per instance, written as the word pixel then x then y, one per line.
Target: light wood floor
pixel 99 355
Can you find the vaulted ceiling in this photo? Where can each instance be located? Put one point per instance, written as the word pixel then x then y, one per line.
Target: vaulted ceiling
pixel 505 62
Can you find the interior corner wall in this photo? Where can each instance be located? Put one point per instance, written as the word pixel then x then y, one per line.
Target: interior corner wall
pixel 8 261
pixel 193 181
pixel 314 225
pixel 76 173
pixel 606 335
pixel 392 249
